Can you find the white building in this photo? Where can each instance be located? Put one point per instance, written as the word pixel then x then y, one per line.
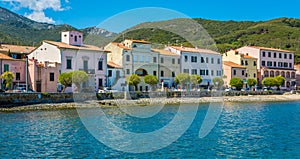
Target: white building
pixel 72 54
pixel 206 63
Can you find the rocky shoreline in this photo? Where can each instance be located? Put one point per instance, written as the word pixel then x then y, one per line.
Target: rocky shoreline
pixel 154 101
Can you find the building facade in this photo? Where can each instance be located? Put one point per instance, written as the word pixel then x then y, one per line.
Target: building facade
pixel 273 62
pixel 206 63
pixel 72 54
pixel 231 70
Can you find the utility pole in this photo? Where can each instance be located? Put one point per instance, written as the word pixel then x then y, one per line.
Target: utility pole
pixel 26 74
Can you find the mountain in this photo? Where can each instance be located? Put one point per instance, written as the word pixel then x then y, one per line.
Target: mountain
pixel 283 33
pixel 17 29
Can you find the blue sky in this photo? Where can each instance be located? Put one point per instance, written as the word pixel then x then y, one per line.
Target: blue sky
pixel 80 13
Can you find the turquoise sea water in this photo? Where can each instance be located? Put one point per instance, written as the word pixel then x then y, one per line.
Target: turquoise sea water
pixel 248 130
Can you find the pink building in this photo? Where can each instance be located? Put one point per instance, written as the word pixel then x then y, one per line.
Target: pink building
pixel 231 70
pixel 16 66
pixel 273 62
pixel 72 54
pixel 43 77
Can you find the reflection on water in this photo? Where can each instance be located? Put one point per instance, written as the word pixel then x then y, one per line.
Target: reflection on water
pixel 244 130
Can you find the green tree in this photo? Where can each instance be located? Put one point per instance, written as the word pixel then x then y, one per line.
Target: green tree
pixel 251 82
pixel 133 80
pixel 279 80
pixel 182 79
pixel 237 83
pixel 195 79
pixel 78 78
pixel 218 82
pixel 8 77
pixel 65 79
pixel 269 82
pixel 151 80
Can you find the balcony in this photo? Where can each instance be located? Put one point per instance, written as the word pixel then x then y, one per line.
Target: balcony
pixel 88 71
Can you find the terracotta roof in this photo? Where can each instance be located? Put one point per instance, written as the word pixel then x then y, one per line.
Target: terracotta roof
pixel 67 46
pixel 121 46
pixel 196 50
pixel 271 49
pixel 232 64
pixel 165 52
pixel 113 65
pixel 5 57
pixel 249 57
pixel 16 48
pixel 140 41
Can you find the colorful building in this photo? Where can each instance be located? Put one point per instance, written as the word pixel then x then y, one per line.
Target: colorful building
pixel 72 54
pixel 231 70
pixel 43 77
pixel 203 62
pixel 273 62
pixel 16 51
pixel 16 66
pixel 243 60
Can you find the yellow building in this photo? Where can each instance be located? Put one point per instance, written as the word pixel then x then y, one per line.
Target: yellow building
pixel 244 60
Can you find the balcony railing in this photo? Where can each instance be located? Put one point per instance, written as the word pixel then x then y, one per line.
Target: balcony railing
pixel 88 71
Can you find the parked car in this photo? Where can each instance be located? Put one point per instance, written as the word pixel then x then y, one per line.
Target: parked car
pixel 228 90
pixel 22 90
pixel 107 89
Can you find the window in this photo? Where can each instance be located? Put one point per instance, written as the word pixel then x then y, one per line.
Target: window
pixel 127 71
pixel 219 73
pixel 269 54
pixel 279 64
pixel 75 38
pixel 127 58
pixel 202 72
pixel 234 72
pixel 274 54
pixel 173 61
pixel 242 62
pixel 100 82
pixel 219 61
pixel 6 67
pixel 162 73
pixel 254 63
pixel 202 59
pixel 185 58
pixel 246 74
pixel 243 72
pixel 178 61
pixel 246 63
pixel 212 72
pixel 264 54
pixel 18 76
pixel 69 63
pixel 290 64
pixel 206 72
pixel 154 60
pixel 285 64
pixel 207 60
pixel 135 58
pixel 141 58
pixel 109 73
pixel 194 59
pixel 51 76
pixel 212 60
pixel 186 71
pixel 280 56
pixel 254 75
pixel 290 56
pixel 162 60
pixel 100 65
pixel 173 74
pixel 263 63
pixel 194 71
pixel 285 56
pixel 147 59
pixel 154 73
pixel 274 64
pixel 269 63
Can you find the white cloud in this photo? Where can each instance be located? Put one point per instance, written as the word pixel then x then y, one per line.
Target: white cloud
pixel 40 17
pixel 37 7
